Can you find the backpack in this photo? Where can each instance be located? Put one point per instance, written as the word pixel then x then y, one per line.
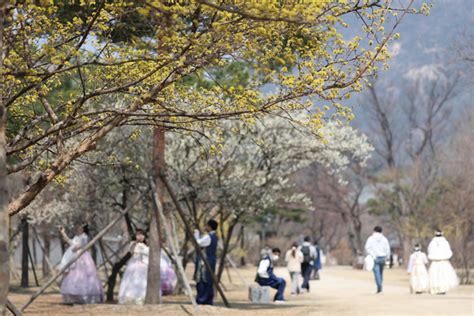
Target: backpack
pixel 306 254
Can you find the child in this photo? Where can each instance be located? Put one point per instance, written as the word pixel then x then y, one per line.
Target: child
pixel 134 281
pixel 417 271
pixel 294 258
pixel 81 285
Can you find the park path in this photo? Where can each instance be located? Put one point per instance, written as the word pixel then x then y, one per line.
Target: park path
pixel 341 291
pixel 344 291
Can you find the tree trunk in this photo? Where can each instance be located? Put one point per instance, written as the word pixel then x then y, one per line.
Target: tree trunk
pixel 153 293
pixel 350 234
pixel 242 246
pixel 359 243
pixel 225 250
pixel 47 246
pixel 4 217
pixel 24 252
pixel 406 245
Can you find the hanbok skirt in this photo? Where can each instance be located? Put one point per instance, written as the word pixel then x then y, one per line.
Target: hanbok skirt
pixel 134 281
pixel 82 285
pixel 419 279
pixel 442 277
pixel 168 280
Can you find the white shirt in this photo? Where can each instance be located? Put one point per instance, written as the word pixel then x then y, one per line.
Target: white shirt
pixel 439 249
pixel 263 267
pixel 203 241
pixel 377 245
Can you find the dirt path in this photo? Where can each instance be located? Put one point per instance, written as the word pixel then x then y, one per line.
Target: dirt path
pixel 344 291
pixel 341 291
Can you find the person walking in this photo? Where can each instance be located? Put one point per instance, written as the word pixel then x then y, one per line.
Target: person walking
pixel 317 262
pixel 442 274
pixel 203 277
pixel 294 258
pixel 266 277
pixel 417 270
pixel 378 247
pixel 309 254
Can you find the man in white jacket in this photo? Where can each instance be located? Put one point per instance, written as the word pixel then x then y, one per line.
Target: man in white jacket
pixel 378 247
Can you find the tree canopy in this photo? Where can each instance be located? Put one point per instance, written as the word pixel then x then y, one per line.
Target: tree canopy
pixel 130 63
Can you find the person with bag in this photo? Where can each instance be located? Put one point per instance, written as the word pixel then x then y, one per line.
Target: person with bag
pixel 266 277
pixel 317 262
pixel 309 254
pixel 378 247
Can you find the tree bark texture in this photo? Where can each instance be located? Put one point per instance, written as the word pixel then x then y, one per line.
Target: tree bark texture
pixel 153 293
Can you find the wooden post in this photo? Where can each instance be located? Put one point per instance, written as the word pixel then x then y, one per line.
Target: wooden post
pixel 46 251
pixel 193 239
pixel 24 252
pixel 234 266
pixel 13 309
pixel 80 252
pixel 169 236
pixel 32 265
pixel 47 266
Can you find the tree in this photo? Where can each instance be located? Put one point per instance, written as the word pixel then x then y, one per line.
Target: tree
pixel 249 175
pixel 408 140
pixel 4 220
pixel 341 196
pixel 137 79
pixel 455 208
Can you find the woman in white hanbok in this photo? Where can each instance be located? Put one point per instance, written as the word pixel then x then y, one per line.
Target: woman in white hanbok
pixel 417 271
pixel 134 281
pixel 442 274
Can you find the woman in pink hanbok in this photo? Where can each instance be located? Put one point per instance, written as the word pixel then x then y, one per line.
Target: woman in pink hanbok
pixel 81 284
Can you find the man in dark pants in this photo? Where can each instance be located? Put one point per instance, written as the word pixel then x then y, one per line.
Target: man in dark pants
pixel 309 254
pixel 266 277
pixel 203 277
pixel 378 247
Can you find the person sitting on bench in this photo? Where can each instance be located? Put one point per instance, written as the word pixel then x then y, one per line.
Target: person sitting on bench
pixel 266 277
